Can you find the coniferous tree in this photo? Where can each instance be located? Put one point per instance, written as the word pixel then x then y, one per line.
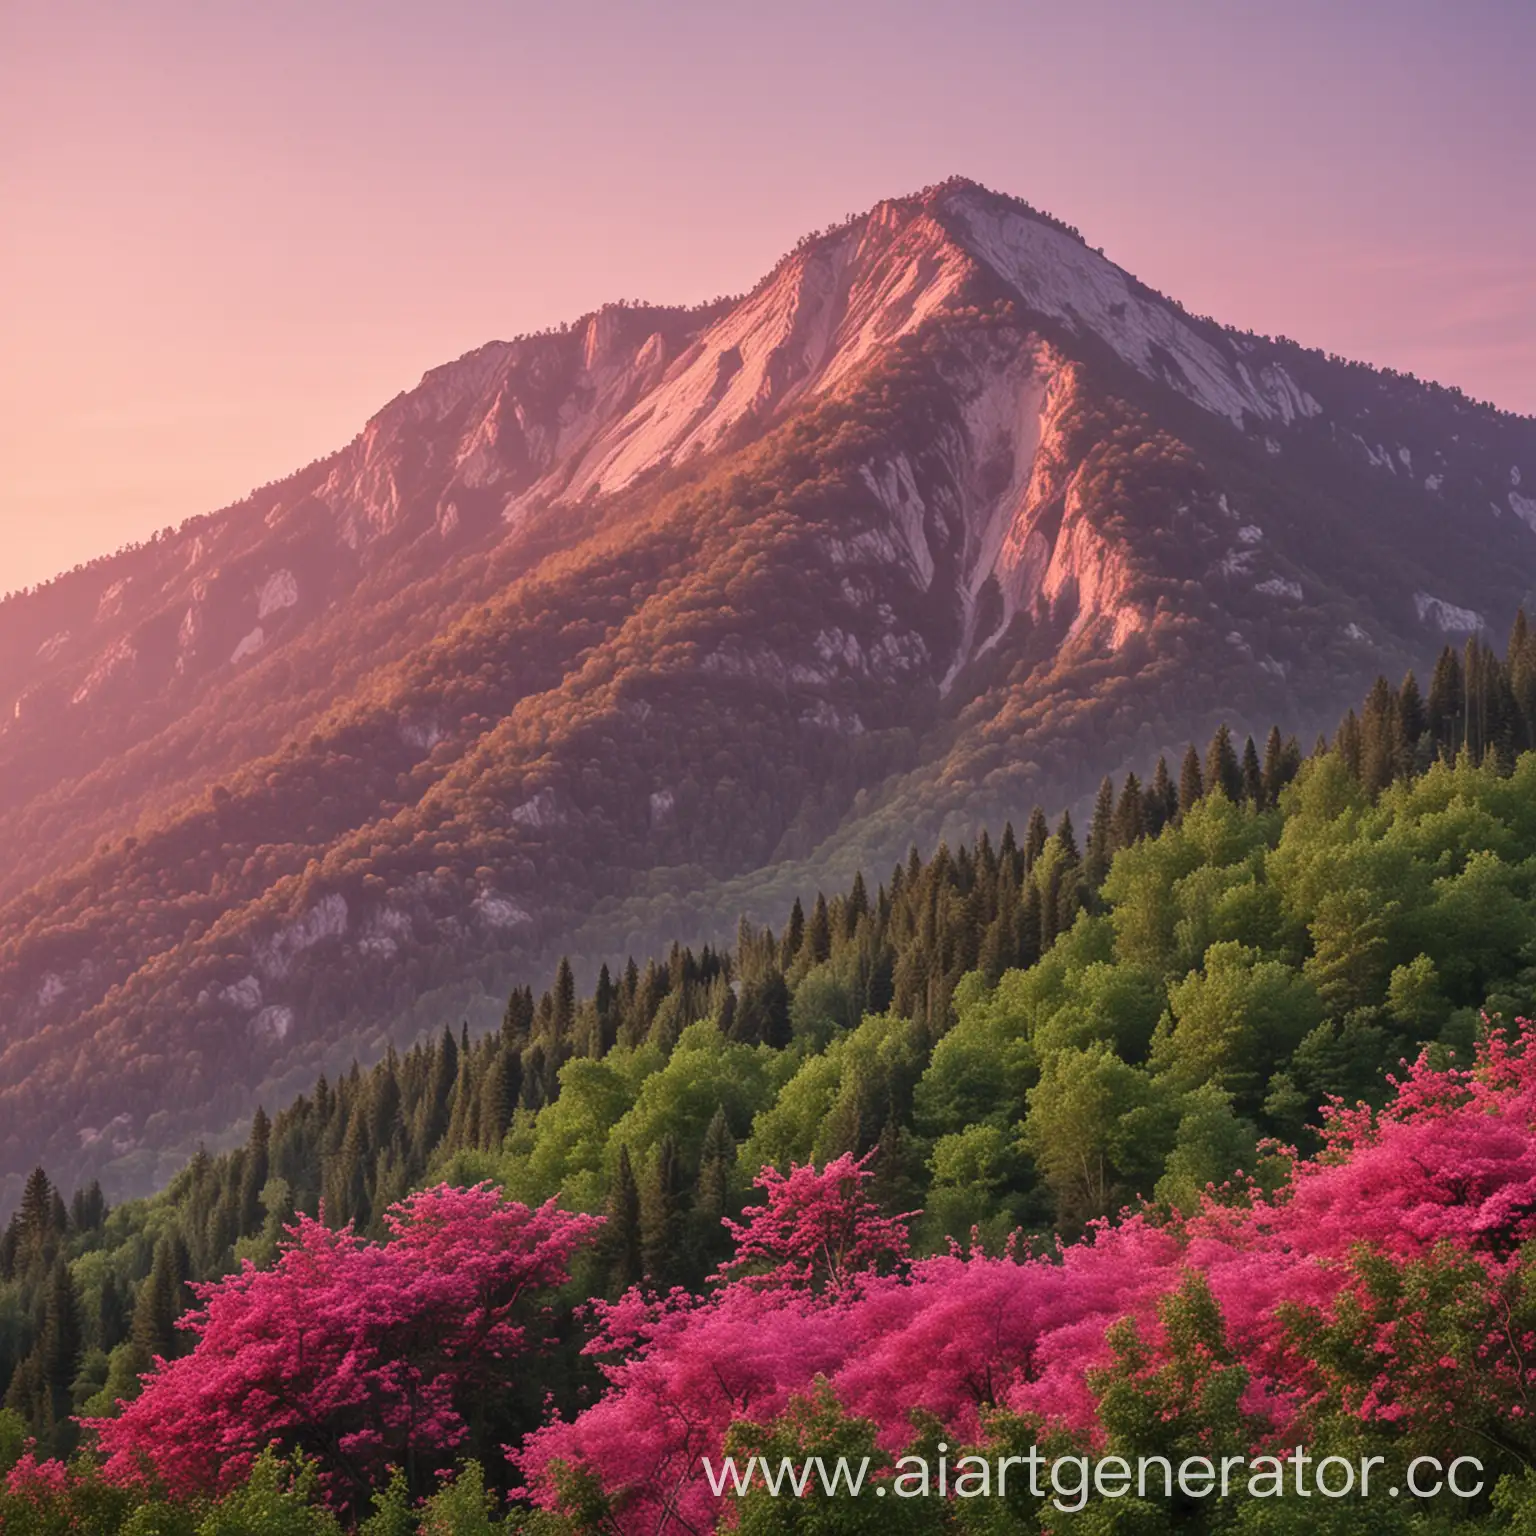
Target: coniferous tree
pixel 498 1097
pixel 794 934
pixel 711 1202
pixel 1036 834
pixel 1100 835
pixel 88 1209
pixel 517 1021
pixel 1443 712
pixel 1222 769
pixel 112 1313
pixel 1253 776
pixel 1191 783
pixel 1067 838
pixel 621 1232
pixel 564 999
pixel 661 1214
pixel 1130 823
pixel 1274 766
pixel 1380 743
pixel 61 1344
pixel 160 1302
pixel 818 933
pixel 253 1175
pixel 1161 803
pixel 1410 710
pixel 38 1227
pixel 1031 925
pixel 1347 743
pixel 857 905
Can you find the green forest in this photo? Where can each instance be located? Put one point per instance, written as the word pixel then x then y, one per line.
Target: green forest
pixel 1027 1033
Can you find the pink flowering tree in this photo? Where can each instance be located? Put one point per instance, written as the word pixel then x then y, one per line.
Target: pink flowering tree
pixel 1386 1286
pixel 817 1230
pixel 361 1354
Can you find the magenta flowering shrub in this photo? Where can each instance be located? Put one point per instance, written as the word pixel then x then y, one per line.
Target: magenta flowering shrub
pixel 1383 1282
pixel 361 1354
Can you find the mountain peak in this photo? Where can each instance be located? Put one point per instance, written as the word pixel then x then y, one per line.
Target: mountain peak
pixel 609 631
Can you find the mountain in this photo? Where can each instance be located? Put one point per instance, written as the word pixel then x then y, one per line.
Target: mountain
pixel 618 631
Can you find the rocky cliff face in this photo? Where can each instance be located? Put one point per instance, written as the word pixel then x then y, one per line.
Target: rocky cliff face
pixel 615 631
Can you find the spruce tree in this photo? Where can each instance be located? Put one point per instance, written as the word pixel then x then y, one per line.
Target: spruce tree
pixel 1443 712
pixel 661 1214
pixel 1274 766
pixel 1253 776
pixel 158 1305
pixel 1191 784
pixel 857 905
pixel 621 1231
pixel 253 1175
pixel 711 1201
pixel 1410 709
pixel 818 933
pixel 1067 838
pixel 1096 864
pixel 1037 834
pixel 1161 802
pixel 62 1342
pixel 88 1209
pixel 1222 769
pixel 564 999
pixel 1347 744
pixel 794 934
pixel 498 1098
pixel 1130 823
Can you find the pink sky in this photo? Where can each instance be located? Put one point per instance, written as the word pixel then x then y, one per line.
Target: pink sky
pixel 231 231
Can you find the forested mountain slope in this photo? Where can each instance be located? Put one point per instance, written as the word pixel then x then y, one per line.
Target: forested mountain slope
pixel 603 637
pixel 1023 1034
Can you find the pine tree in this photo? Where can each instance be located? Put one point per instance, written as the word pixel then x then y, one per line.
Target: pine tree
pixel 621 1231
pixel 762 1011
pixel 159 1303
pixel 253 1175
pixel 1031 925
pixel 1253 776
pixel 517 1021
pixel 857 905
pixel 61 1343
pixel 1100 835
pixel 1161 803
pixel 1222 769
pixel 711 1201
pixel 1410 709
pixel 818 933
pixel 112 1313
pixel 1130 815
pixel 1347 743
pixel 439 1095
pixel 1191 784
pixel 1008 848
pixel 88 1209
pixel 36 1210
pixel 1037 834
pixel 1443 713
pixel 498 1098
pixel 794 934
pixel 1067 838
pixel 1274 766
pixel 661 1214
pixel 1380 744
pixel 565 999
